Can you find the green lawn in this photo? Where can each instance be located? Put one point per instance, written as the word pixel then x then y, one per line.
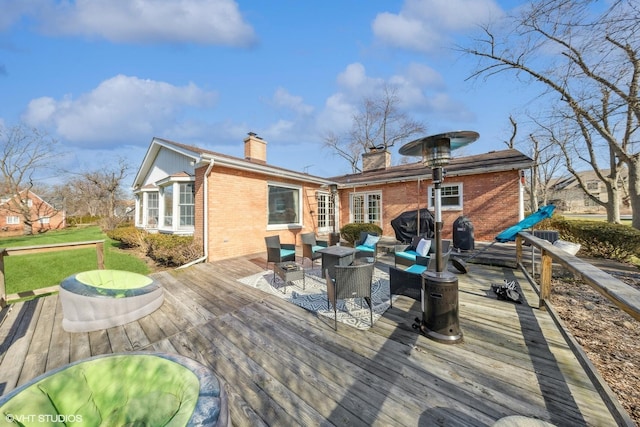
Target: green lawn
pixel 35 271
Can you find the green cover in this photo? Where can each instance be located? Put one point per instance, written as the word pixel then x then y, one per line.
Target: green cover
pixel 113 279
pixel 125 390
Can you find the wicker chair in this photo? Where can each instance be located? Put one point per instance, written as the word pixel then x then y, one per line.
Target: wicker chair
pixel 409 282
pixel 365 250
pixel 310 246
pixel 277 252
pixel 406 254
pixel 352 281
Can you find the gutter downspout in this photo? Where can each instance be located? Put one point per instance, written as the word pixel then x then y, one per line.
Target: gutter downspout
pixel 205 231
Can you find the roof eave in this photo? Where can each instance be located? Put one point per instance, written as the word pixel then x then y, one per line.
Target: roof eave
pixel 263 169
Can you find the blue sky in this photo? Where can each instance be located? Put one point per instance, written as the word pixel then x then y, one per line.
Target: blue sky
pixel 104 77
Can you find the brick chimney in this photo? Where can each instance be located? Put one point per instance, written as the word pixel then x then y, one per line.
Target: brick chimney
pixel 376 158
pixel 255 148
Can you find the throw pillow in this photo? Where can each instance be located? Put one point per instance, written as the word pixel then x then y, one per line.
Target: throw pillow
pixel 371 241
pixel 423 247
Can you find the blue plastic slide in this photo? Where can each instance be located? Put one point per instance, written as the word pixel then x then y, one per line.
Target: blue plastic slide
pixel 509 235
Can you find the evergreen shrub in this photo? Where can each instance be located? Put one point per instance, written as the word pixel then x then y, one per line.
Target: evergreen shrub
pixel 598 239
pixel 351 232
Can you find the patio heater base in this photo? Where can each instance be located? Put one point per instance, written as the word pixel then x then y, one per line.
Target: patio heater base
pixel 440 307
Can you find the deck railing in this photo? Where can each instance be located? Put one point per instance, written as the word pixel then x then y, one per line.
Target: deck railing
pixel 622 295
pixel 26 250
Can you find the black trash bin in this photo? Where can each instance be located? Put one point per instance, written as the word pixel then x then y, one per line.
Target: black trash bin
pixel 463 234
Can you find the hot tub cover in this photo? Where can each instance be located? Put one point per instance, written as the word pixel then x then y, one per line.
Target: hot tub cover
pixel 102 299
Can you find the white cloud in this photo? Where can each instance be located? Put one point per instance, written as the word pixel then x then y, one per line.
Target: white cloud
pixel 282 98
pixel 139 21
pixel 421 90
pixel 337 115
pixel 427 25
pixel 121 109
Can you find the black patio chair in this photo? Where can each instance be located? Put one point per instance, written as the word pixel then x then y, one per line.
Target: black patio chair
pixel 352 281
pixel 311 246
pixel 277 252
pixel 409 282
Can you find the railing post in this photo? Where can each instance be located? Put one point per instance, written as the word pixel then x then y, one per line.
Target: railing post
pixel 100 254
pixel 3 288
pixel 546 270
pixel 519 241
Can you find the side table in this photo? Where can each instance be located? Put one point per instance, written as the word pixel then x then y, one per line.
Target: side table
pixel 336 255
pixel 288 271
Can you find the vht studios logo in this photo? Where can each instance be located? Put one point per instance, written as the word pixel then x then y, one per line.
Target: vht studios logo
pixel 43 418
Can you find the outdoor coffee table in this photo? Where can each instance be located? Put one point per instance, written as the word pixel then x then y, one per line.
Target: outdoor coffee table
pixel 288 271
pixel 336 255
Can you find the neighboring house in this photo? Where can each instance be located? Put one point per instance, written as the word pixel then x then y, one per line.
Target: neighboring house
pixel 44 216
pixel 567 194
pixel 233 203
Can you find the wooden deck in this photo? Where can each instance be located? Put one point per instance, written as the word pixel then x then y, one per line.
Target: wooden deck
pixel 284 366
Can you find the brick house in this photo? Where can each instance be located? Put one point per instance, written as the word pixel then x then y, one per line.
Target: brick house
pixel 232 203
pixel 44 216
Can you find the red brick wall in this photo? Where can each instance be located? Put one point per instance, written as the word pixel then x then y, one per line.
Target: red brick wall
pixel 56 219
pixel 489 200
pixel 238 213
pixel 238 208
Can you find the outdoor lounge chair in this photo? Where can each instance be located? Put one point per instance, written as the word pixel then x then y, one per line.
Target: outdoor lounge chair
pixel 310 246
pixel 352 281
pixel 406 254
pixel 367 245
pixel 409 282
pixel 277 252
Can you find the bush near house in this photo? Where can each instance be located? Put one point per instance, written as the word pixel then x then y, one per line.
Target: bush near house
pixel 164 249
pixel 351 232
pixel 598 239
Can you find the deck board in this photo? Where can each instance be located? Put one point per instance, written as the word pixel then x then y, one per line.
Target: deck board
pixel 282 365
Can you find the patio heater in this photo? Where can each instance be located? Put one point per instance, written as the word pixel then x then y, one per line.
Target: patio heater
pixel 334 237
pixel 439 288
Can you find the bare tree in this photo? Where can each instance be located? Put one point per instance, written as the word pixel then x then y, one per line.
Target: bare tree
pixel 106 185
pixel 25 153
pixel 588 67
pixel 546 164
pixel 379 124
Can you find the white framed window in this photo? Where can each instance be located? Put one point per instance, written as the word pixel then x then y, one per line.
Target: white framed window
pixel 589 202
pixel 177 205
pixel 325 214
pixel 450 197
pixel 13 220
pixel 284 207
pixel 366 207
pixel 44 220
pixel 187 204
pixel 593 185
pixel 167 201
pixel 152 209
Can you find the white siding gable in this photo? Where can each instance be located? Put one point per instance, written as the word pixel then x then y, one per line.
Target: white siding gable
pixel 166 163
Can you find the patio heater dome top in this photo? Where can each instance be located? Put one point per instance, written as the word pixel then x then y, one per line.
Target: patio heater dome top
pixel 435 150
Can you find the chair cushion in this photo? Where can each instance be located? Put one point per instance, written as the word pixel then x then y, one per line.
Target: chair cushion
pixel 365 248
pixel 316 248
pixel 410 255
pixel 286 252
pixel 371 241
pixel 416 269
pixel 423 247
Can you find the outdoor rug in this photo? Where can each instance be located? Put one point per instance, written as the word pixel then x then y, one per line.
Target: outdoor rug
pixel 314 297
